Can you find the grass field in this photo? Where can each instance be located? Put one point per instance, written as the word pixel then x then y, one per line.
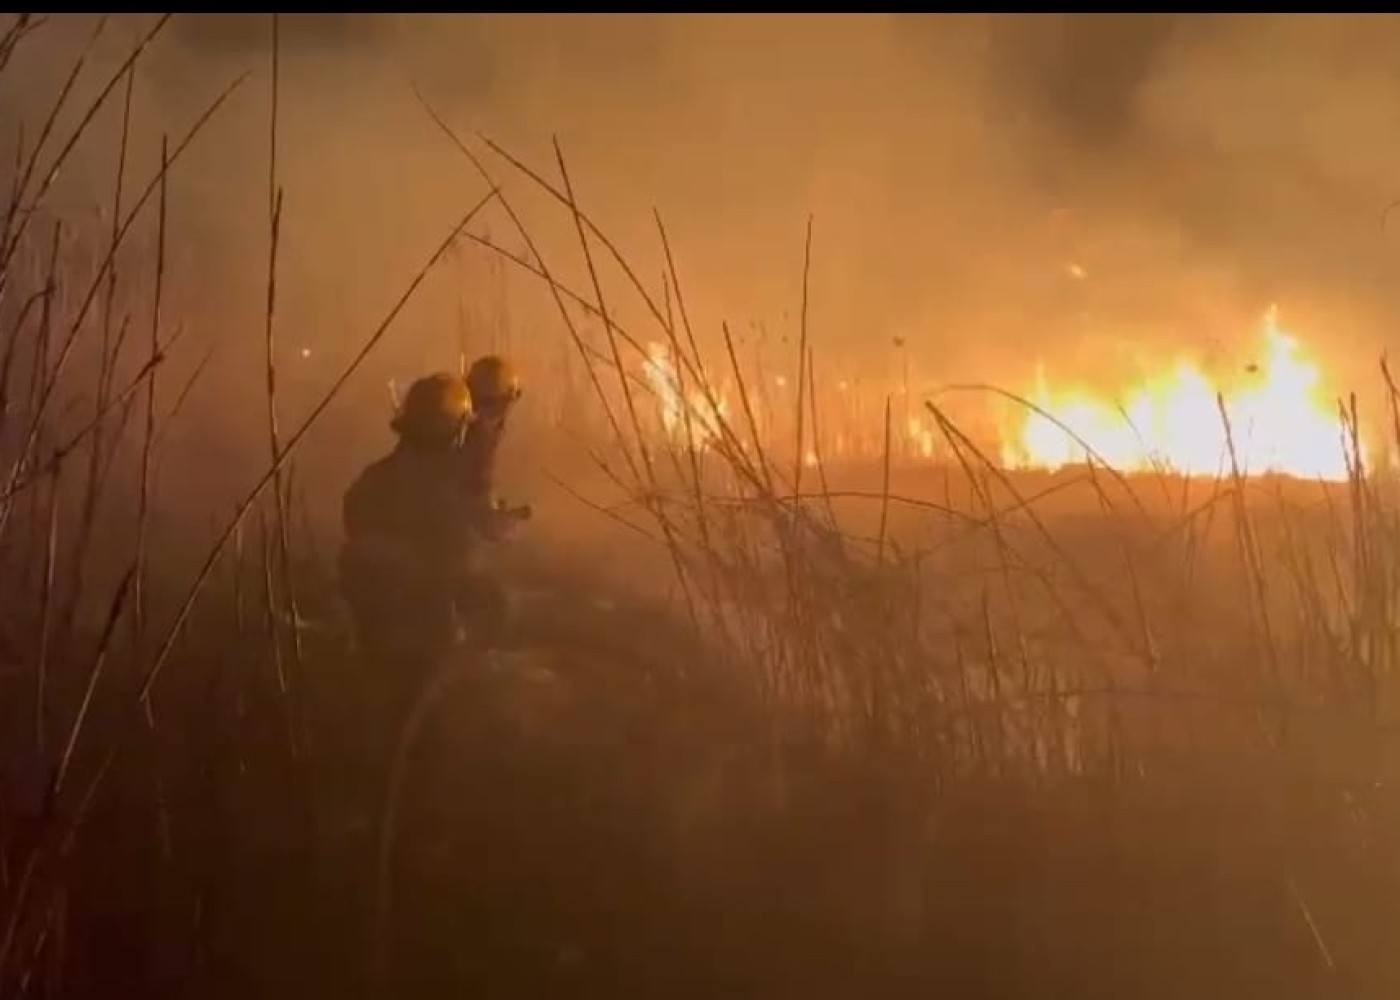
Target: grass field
pixel 840 730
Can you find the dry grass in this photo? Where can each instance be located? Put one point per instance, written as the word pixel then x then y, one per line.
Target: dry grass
pixel 898 729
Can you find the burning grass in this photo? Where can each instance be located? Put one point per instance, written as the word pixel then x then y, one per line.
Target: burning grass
pixel 900 727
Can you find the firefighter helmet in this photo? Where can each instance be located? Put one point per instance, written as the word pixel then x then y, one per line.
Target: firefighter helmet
pixel 492 381
pixel 435 406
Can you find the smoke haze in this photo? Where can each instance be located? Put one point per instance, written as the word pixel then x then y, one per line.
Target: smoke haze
pixel 1194 168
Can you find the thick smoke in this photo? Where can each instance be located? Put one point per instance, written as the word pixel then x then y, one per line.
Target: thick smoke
pixel 1194 168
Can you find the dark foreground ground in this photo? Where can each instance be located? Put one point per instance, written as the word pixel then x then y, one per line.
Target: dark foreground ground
pixel 614 811
pixel 588 824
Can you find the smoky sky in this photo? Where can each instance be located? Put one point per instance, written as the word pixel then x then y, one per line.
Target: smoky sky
pixel 1193 168
pixel 1083 74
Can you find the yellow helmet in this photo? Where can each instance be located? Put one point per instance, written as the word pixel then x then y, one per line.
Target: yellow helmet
pixel 492 380
pixel 435 406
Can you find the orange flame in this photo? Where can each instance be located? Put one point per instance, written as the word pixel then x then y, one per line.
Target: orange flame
pixel 693 418
pixel 1275 420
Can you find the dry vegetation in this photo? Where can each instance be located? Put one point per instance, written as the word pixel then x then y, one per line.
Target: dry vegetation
pixel 898 731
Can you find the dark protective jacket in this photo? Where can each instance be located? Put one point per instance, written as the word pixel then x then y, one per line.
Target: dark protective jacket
pixel 413 523
pixel 477 466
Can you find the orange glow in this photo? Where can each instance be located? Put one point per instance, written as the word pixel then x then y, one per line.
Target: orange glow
pixel 1280 420
pixel 690 418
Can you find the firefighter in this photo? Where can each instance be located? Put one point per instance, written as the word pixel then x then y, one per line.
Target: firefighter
pixel 406 528
pixel 414 521
pixel 412 565
pixel 494 389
